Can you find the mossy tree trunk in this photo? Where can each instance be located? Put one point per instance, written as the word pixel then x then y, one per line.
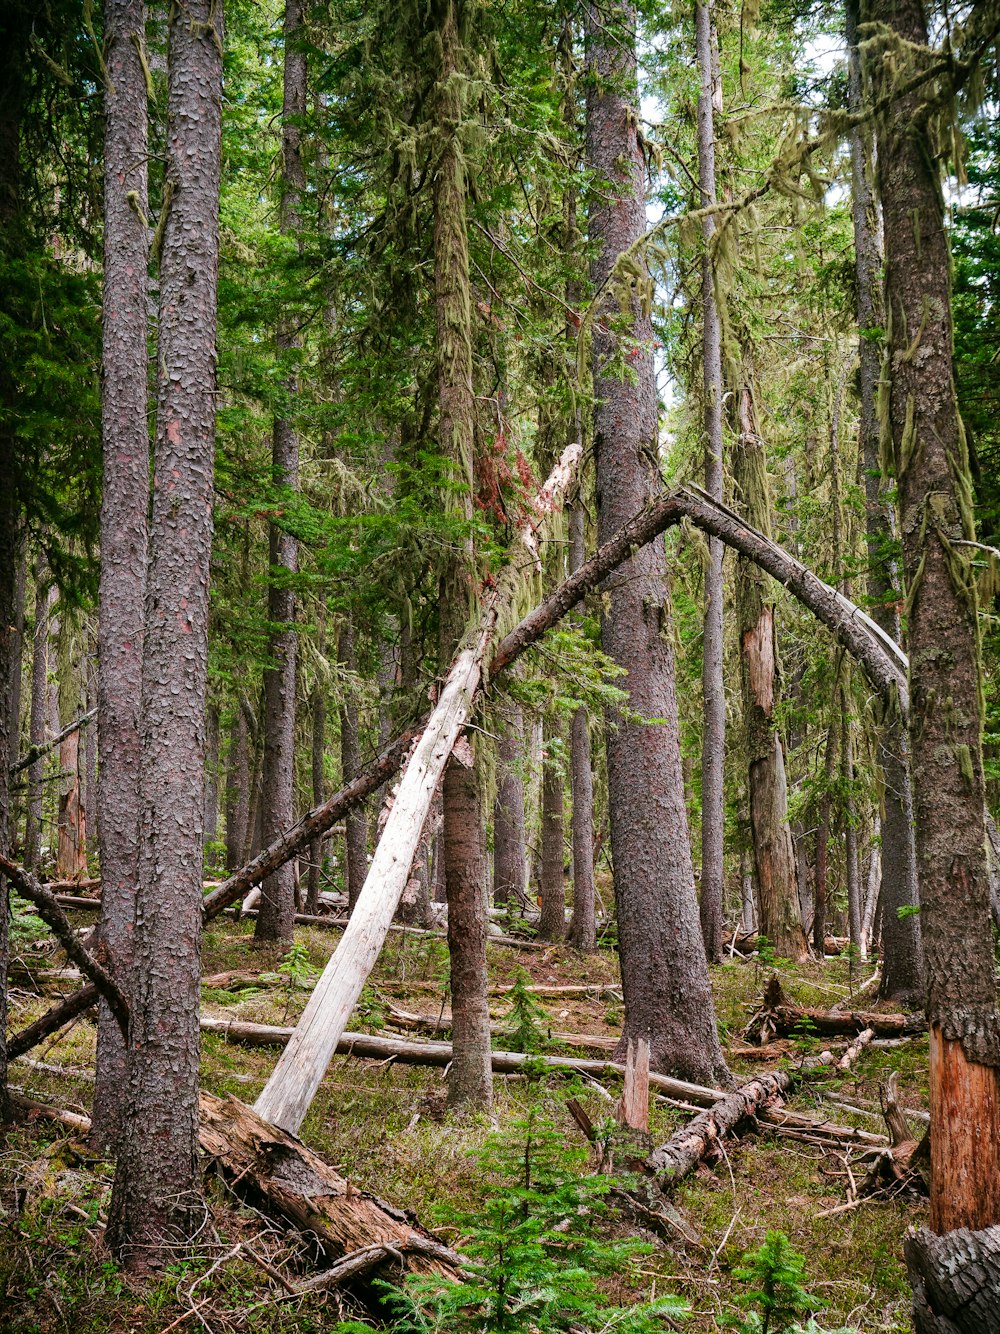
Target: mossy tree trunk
pixel 668 1000
pixel 773 854
pixel 929 452
pixel 470 1081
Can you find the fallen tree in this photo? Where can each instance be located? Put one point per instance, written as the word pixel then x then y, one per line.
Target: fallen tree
pixel 780 1017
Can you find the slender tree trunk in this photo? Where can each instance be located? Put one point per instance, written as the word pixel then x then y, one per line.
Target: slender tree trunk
pixel 470 1081
pixel 712 684
pixel 10 546
pixel 932 474
pixel 36 726
pixel 156 1201
pixel 318 788
pixel 237 789
pixel 552 923
pixel 71 855
pixel 823 843
pixel 668 1000
pixel 356 844
pixel 774 856
pixel 275 921
pixel 211 775
pixel 851 835
pixel 902 952
pixel 509 856
pixel 583 930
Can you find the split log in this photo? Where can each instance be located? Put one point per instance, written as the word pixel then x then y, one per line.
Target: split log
pixel 855 1049
pixel 633 1109
pixel 378 1048
pixel 955 1280
pixel 300 1070
pixel 271 1165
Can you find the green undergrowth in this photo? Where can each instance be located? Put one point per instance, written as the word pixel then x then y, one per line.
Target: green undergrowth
pixel 388 1129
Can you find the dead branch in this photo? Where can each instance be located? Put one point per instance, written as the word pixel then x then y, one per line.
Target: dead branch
pixel 34 753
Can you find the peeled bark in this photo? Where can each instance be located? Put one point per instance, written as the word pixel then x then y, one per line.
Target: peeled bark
pixel 156 1201
pixel 934 488
pixel 668 999
pixel 509 855
pixel 124 531
pixel 712 682
pixel 277 797
pixel 552 923
pixel 356 845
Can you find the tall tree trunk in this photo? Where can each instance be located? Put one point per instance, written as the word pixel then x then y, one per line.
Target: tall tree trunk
pixel 552 923
pixel 583 930
pixel 470 1081
pixel 71 854
pixel 318 787
pixel 509 856
pixel 668 1000
pixel 932 473
pixel 44 594
pixel 712 684
pixel 356 843
pixel 211 832
pixel 156 1201
pixel 237 788
pixel 276 918
pixel 902 952
pixel 124 531
pixel 851 834
pixel 774 856
pixel 823 842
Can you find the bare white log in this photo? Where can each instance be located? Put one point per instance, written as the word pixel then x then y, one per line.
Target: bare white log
pixel 286 1096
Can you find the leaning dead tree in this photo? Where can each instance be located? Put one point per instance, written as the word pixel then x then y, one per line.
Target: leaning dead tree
pixel 288 1093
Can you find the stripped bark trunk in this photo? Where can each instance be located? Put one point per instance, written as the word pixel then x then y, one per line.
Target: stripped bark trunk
pixel 934 487
pixel 552 923
pixel 668 999
pixel 277 796
pixel 156 1200
pixel 356 842
pixel 286 1097
pixel 712 683
pixel 124 530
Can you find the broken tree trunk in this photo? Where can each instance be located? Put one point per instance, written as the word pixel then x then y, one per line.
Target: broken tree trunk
pixel 288 1093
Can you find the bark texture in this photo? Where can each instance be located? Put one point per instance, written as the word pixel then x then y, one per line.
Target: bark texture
pixel 902 951
pixel 156 1201
pixel 356 846
pixel 712 682
pixel 509 855
pixel 773 852
pixel 318 784
pixel 552 922
pixel 36 721
pixel 955 1280
pixel 124 529
pixel 668 1000
pixel 237 788
pixel 277 902
pixel 929 452
pixel 582 931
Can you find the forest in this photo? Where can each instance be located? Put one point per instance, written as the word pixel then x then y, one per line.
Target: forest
pixel 499 666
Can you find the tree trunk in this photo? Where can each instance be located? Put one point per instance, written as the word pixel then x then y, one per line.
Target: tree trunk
pixel 712 684
pixel 582 931
pixel 356 843
pixel 36 726
pixel 823 843
pixel 668 999
pixel 934 489
pixel 509 856
pixel 773 853
pixel 902 952
pixel 318 753
pixel 851 836
pixel 211 832
pixel 277 901
pixel 237 789
pixel 71 852
pixel 124 530
pixel 156 1201
pixel 552 923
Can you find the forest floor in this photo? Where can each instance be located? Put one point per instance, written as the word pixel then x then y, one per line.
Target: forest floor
pixel 386 1127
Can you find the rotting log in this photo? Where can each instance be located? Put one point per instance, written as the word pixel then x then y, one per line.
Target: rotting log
pixel 778 1016
pixel 266 1163
pixel 955 1280
pixel 286 1096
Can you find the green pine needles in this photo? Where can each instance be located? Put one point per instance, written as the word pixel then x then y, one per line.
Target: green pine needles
pixel 775 1298
pixel 529 1018
pixel 534 1253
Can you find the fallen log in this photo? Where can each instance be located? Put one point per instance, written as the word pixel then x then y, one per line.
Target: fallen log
pixel 340 924
pixel 780 1017
pixel 432 1023
pixel 301 1067
pixel 377 1048
pixel 52 1021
